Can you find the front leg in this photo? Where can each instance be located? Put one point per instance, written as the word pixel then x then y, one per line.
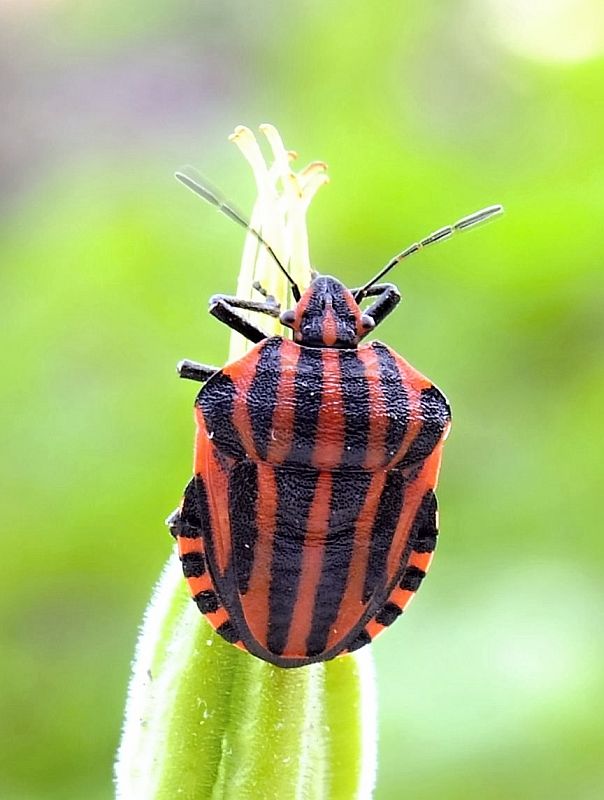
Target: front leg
pixel 378 288
pixel 224 307
pixel 388 297
pixel 193 371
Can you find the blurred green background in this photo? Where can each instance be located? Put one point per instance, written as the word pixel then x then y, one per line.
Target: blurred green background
pixel 492 686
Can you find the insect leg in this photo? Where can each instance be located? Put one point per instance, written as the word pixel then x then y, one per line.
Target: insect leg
pixel 372 291
pixel 388 299
pixel 193 371
pixel 223 308
pixel 270 306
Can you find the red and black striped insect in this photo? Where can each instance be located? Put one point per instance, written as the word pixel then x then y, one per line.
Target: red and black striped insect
pixel 311 519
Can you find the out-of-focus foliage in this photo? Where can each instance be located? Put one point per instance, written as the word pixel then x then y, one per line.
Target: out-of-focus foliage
pixel 491 686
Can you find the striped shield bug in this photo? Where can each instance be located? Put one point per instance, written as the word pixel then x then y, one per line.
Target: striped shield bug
pixel 311 518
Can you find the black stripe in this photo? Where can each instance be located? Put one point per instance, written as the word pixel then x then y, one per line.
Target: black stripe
pixel 386 520
pixel 395 399
pixel 311 321
pixel 424 531
pixel 193 565
pixel 348 495
pixel 223 463
pixel 388 614
pixel 207 601
pixel 224 582
pixel 216 401
pixel 412 578
pixel 228 631
pixel 243 497
pixel 201 503
pixel 262 395
pixel 435 414
pixel 355 396
pixel 308 391
pixel 182 527
pixel 360 641
pixel 345 319
pixel 295 493
pixel 208 534
pixel 187 531
pixel 193 517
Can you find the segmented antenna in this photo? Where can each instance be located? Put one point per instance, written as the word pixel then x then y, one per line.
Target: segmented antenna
pixel 196 184
pixel 438 236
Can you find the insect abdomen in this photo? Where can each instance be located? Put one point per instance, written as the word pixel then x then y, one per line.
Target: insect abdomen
pixel 314 554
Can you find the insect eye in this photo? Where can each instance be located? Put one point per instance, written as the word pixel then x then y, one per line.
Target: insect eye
pixel 367 322
pixel 287 318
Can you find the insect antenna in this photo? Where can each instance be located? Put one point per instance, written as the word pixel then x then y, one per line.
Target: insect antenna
pixel 438 236
pixel 201 188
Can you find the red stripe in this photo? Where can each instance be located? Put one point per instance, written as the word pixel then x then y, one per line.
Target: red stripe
pixel 414 494
pixel 375 456
pixel 421 560
pixel 255 601
pixel 329 441
pixel 330 326
pixel 217 487
pixel 283 417
pixel 243 373
pixel 188 545
pixel 354 309
pixel 414 382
